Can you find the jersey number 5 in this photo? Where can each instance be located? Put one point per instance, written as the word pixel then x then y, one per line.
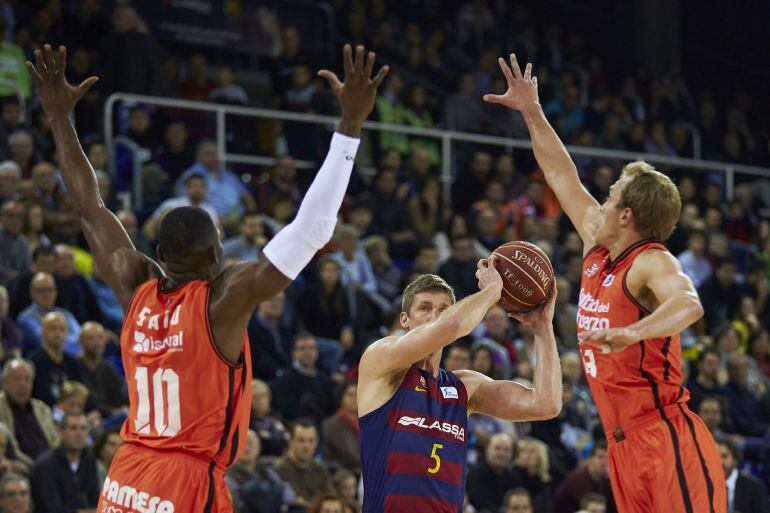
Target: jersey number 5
pixel 436 458
pixel 142 421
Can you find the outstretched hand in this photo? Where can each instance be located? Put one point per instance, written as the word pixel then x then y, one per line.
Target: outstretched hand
pixel 522 89
pixel 542 316
pixel 57 96
pixel 357 93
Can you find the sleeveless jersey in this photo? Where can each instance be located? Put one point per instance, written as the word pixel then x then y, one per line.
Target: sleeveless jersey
pixel 413 448
pixel 645 376
pixel 183 394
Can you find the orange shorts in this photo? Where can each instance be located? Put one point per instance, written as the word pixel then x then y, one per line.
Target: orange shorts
pixel 143 480
pixel 666 465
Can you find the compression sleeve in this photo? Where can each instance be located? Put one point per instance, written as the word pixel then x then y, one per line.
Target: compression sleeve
pixel 292 248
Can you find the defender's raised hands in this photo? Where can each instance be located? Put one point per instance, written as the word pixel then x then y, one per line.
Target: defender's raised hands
pixel 57 96
pixel 356 95
pixel 522 89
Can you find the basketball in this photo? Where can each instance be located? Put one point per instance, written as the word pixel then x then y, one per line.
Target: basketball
pixel 527 276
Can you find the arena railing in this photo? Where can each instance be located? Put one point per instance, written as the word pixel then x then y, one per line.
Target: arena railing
pixel 446 138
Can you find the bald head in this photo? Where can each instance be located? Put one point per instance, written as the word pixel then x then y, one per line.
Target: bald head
pixel 92 340
pixel 42 291
pixel 18 376
pixel 65 260
pixel 54 331
pixel 570 367
pixel 44 176
pixel 500 451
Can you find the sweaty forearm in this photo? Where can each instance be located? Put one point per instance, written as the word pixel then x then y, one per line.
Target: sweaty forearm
pixel 672 317
pixel 79 177
pixel 550 153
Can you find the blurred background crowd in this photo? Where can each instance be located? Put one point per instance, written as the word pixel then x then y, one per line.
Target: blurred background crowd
pixel 63 393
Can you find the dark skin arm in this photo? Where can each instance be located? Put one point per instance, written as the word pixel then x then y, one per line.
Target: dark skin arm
pixel 122 266
pixel 237 291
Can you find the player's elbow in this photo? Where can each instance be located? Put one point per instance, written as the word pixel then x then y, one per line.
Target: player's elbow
pixel 696 308
pixel 453 326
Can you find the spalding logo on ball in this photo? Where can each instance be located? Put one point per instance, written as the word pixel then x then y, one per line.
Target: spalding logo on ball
pixel 527 276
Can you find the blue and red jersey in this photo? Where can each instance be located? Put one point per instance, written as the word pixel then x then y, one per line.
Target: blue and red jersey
pixel 413 448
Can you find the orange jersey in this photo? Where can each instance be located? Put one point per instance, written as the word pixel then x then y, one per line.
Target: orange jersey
pixel 184 395
pixel 642 378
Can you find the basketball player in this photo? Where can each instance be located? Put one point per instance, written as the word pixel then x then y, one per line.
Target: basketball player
pixel 413 414
pixel 184 345
pixel 634 302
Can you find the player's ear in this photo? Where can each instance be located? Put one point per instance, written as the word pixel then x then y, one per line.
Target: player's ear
pixel 626 217
pixel 403 319
pixel 213 255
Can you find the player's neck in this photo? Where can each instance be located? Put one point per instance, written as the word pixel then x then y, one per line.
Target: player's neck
pixel 625 240
pixel 430 364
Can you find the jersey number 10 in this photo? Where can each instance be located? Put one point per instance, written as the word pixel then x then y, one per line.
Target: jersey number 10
pixel 142 422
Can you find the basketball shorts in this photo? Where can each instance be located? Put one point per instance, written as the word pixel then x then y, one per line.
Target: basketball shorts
pixel 143 480
pixel 666 461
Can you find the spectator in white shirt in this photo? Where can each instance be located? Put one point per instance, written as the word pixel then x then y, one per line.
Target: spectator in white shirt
pixel 196 191
pixel 745 494
pixel 693 259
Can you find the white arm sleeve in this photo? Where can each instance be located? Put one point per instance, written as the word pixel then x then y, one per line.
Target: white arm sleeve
pixel 295 245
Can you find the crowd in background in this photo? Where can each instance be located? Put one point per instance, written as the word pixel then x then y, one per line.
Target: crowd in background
pixel 63 393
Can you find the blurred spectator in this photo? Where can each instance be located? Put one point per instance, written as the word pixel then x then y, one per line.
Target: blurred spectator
pixel 463 109
pixel 100 376
pixel 72 398
pixel 140 129
pixel 226 192
pixel 21 150
pixel 307 476
pixel 721 294
pixel 745 494
pixel 345 484
pixel 388 276
pixel 710 411
pixel 564 316
pixel 106 446
pixel 197 86
pixel 282 180
pixel 273 435
pixel 176 154
pixel 390 109
pixel 128 219
pixel 130 58
pixel 327 503
pixel 28 419
pixel 33 227
pixel 744 405
pixel 15 494
pixel 109 306
pixel 489 480
pixel 270 340
pixel 10 175
pixel 426 259
pixel 758 349
pixel 73 292
pixel 457 357
pixel 341 432
pixel 426 210
pixel 518 500
pixel 705 383
pixel 570 115
pixel 53 366
pixel 65 478
pixel 14 252
pixel 388 208
pixel 593 503
pixel 355 268
pixel 42 290
pixel 591 477
pixel 693 260
pixel 534 472
pixel 255 486
pixel 227 91
pixel 301 389
pixel 11 336
pixel 470 184
pixel 14 74
pixel 43 261
pixel 486 230
pixel 417 115
pixel 195 196
pixel 459 271
pixel 303 95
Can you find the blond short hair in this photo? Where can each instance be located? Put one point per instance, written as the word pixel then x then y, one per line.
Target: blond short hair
pixel 653 198
pixel 71 389
pixel 425 283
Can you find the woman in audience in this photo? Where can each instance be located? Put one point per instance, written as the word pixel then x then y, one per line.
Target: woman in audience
pixel 534 472
pixel 33 227
pixel 105 447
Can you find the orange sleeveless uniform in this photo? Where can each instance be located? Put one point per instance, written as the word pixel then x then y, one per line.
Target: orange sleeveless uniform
pixel 661 455
pixel 189 407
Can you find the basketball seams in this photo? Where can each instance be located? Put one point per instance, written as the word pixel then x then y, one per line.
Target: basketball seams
pixel 524 272
pixel 536 257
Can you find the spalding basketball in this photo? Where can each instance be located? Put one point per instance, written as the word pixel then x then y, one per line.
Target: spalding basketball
pixel 527 276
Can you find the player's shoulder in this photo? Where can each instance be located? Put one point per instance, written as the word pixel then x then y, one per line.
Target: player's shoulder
pixel 656 257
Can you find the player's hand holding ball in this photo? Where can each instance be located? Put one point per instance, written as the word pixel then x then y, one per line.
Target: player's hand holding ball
pixel 488 276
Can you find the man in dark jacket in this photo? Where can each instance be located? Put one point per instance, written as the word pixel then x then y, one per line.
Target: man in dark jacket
pixel 592 477
pixel 744 493
pixel 64 479
pixel 491 478
pixel 270 341
pixel 459 270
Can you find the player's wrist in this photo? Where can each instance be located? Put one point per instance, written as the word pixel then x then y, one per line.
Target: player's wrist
pixel 532 110
pixel 350 127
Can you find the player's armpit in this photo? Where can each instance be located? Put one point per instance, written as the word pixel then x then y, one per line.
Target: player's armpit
pixel 506 400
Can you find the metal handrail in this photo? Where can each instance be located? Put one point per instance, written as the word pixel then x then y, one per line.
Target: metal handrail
pixel 447 137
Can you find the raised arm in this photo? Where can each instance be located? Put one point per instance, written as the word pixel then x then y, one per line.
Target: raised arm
pixel 513 401
pixel 392 354
pixel 551 155
pixel 239 289
pixel 656 278
pixel 121 265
